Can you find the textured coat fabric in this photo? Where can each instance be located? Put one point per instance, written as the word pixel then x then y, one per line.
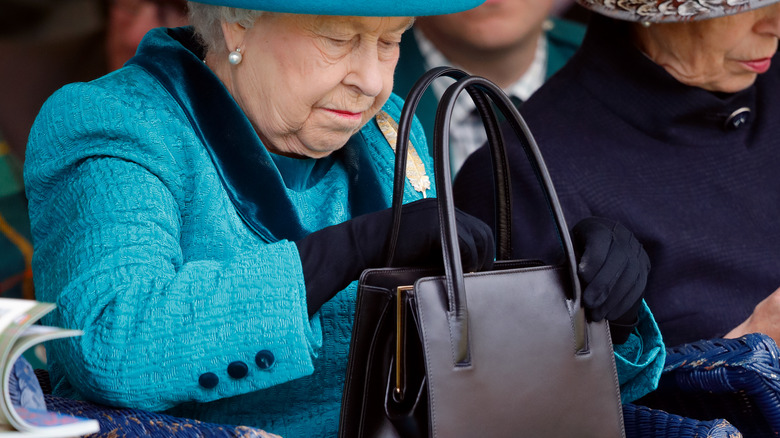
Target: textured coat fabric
pixel 562 41
pixel 139 244
pixel 624 140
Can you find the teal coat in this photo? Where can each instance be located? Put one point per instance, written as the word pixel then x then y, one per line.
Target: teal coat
pixel 164 229
pixel 562 41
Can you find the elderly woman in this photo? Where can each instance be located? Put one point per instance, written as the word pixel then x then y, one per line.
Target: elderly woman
pixel 202 213
pixel 667 120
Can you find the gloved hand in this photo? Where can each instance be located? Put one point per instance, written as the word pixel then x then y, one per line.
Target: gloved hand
pixel 335 256
pixel 613 267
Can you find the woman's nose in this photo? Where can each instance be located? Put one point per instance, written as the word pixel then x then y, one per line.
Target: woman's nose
pixel 770 22
pixel 365 72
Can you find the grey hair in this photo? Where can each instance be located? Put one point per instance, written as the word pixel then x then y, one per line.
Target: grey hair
pixel 207 22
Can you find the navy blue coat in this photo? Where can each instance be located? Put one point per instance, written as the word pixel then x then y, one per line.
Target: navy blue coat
pixel 624 140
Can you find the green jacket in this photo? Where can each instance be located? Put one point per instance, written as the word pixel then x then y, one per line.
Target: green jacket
pixel 16 280
pixel 562 41
pixel 15 246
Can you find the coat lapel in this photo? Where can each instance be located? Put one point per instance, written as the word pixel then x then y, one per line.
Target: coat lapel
pixel 248 173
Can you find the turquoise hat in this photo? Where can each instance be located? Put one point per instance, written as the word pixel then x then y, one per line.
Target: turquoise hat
pixel 363 8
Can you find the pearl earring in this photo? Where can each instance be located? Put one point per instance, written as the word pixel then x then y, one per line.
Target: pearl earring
pixel 645 24
pixel 235 57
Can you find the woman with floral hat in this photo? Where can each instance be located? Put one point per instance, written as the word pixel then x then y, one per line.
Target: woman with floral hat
pixel 667 120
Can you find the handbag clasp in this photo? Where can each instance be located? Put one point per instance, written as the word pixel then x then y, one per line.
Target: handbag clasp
pixel 400 324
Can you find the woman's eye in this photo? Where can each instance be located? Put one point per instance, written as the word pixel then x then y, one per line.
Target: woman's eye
pixel 390 44
pixel 389 49
pixel 339 42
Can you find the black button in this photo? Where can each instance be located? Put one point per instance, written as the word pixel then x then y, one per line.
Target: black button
pixel 738 118
pixel 208 380
pixel 238 369
pixel 264 359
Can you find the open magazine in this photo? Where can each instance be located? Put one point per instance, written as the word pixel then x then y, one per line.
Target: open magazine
pixel 17 334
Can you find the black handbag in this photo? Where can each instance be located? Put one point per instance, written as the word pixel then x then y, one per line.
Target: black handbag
pixel 500 353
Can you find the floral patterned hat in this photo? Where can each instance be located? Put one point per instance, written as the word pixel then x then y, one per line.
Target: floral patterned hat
pixel 655 11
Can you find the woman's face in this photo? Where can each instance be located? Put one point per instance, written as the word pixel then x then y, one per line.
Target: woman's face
pixel 308 83
pixel 723 54
pixel 129 20
pixel 494 25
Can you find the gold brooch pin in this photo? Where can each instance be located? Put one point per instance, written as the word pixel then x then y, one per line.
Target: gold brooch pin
pixel 415 170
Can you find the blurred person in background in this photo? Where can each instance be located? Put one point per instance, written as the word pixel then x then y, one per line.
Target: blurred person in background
pixel 670 126
pixel 45 44
pixel 514 43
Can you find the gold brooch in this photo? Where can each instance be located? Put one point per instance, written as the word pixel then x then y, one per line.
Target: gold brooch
pixel 415 170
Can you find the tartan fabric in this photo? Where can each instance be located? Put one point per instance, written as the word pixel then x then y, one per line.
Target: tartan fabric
pixel 126 423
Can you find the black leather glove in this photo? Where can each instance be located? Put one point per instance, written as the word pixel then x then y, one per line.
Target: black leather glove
pixel 613 267
pixel 335 256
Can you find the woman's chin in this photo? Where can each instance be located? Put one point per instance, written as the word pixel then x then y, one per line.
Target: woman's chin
pixel 729 86
pixel 321 149
pixel 736 86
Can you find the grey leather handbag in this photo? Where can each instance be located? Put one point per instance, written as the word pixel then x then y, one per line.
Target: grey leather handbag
pixel 500 353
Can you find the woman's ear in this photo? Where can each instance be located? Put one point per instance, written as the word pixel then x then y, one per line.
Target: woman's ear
pixel 234 35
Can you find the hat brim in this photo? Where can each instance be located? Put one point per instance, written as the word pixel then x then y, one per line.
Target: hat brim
pixel 660 11
pixel 361 8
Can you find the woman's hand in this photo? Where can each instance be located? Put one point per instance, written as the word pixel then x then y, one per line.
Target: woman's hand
pixel 613 267
pixel 335 256
pixel 764 319
pixel 419 239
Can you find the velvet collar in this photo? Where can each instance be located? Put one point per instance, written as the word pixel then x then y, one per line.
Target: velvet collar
pixel 247 170
pixel 662 107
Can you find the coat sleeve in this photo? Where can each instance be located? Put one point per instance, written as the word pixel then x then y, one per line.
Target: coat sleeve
pixel 109 212
pixel 640 360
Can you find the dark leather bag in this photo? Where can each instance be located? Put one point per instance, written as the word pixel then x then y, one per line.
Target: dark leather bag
pixel 502 353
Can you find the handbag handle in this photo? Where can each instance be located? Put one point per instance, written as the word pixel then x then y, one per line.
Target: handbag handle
pixel 456 298
pixel 503 205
